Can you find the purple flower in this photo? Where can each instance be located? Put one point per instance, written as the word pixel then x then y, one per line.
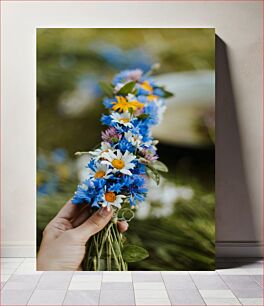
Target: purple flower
pixel 111 135
pixel 149 154
pixel 128 76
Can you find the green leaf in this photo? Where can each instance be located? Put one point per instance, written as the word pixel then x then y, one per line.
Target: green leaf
pixel 143 116
pixel 134 253
pixel 158 165
pixel 106 88
pixel 135 91
pixel 127 88
pixel 166 93
pixel 154 174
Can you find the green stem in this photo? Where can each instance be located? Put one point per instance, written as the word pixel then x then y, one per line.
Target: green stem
pixel 94 263
pixel 119 244
pixel 87 257
pixel 113 251
pixel 103 248
pixel 108 256
pixel 96 249
pixel 104 238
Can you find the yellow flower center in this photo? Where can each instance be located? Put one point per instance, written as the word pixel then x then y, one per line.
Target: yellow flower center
pixel 124 120
pixel 110 197
pixel 122 105
pixel 118 163
pixel 99 174
pixel 146 86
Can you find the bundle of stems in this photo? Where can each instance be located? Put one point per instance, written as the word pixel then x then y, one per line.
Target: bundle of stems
pixel 104 249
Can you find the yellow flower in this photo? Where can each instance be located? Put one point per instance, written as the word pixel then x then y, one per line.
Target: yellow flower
pixel 146 86
pixel 123 105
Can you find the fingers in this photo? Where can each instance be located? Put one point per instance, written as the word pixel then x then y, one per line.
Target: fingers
pixel 70 210
pixel 122 226
pixel 83 216
pixel 94 224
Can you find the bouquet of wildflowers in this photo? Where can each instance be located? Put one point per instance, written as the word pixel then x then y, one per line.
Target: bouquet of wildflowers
pixel 119 168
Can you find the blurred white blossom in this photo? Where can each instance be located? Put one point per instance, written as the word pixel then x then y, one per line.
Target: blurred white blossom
pixel 166 194
pixel 81 163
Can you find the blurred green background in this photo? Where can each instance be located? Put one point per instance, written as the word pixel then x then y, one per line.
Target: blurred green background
pixel 176 223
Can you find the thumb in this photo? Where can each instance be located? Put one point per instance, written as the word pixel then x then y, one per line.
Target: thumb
pixel 94 224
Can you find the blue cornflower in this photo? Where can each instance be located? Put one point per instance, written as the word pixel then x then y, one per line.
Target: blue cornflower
pixel 116 187
pixel 92 164
pixel 152 111
pixel 108 103
pixel 135 186
pixel 139 168
pixel 124 145
pixel 142 128
pixel 106 120
pixel 158 92
pixel 91 192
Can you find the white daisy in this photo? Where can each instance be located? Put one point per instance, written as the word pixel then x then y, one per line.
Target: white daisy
pixel 111 199
pixel 105 146
pixel 119 162
pixel 136 140
pixel 122 118
pixel 101 171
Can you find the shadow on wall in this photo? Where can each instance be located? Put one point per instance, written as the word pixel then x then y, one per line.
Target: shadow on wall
pixel 234 216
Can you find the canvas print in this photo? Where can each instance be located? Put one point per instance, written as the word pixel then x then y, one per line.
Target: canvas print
pixel 125 149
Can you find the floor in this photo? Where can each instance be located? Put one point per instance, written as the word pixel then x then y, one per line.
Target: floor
pixel 235 282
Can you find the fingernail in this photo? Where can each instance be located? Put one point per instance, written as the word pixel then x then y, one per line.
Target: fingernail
pixel 105 211
pixel 126 226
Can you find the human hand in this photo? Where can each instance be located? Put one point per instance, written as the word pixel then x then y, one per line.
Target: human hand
pixel 64 238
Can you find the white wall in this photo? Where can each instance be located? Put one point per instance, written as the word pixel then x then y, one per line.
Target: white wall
pixel 238 24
